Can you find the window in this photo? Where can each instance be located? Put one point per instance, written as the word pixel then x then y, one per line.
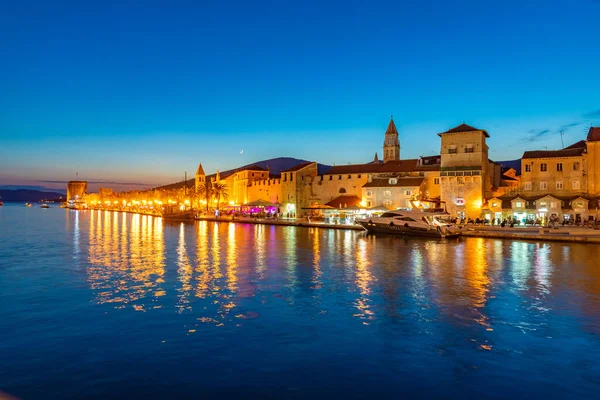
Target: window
pixel 369 193
pixel 552 204
pixel 543 204
pixel 291 177
pixel 559 185
pixel 543 167
pixel 436 181
pixel 358 176
pixel 408 192
pixel 253 174
pixel 285 177
pixel 559 166
pixel 460 201
pixel 330 177
pixel 518 204
pixel 460 180
pixel 452 149
pixel 527 185
pixel 369 203
pixel 387 193
pixel 575 166
pixel 387 203
pixel 342 190
pixel 575 185
pixel 527 167
pixel 494 204
pixel 393 181
pixel 339 178
pixel 579 204
pixel 349 176
pixel 543 185
pixel 469 148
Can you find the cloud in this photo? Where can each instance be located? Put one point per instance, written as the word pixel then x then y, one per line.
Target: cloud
pixel 592 114
pixel 566 127
pixel 535 134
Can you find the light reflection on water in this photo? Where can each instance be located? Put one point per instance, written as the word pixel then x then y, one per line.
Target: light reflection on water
pixel 378 313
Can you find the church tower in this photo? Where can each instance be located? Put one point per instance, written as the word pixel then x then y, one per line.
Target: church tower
pixel 200 177
pixel 391 144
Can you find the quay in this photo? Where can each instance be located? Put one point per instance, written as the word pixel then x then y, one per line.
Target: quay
pixel 532 233
pixel 539 234
pixel 303 222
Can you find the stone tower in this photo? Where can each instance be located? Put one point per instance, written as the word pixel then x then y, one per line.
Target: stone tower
pixel 200 177
pixel 464 177
pixel 391 144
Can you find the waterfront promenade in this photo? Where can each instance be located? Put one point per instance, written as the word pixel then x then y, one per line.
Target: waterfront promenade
pixel 561 234
pixel 535 233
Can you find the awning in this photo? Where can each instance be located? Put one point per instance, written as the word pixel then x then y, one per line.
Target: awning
pixel 318 207
pixel 378 208
pixel 260 203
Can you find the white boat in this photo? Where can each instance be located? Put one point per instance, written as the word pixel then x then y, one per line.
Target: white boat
pixel 415 222
pixel 44 205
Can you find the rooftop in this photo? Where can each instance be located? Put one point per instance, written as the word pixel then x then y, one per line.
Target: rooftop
pixel 465 128
pixel 400 182
pixel 344 201
pixel 390 166
pixel 298 167
pixel 567 152
pixel 594 134
pixel 391 129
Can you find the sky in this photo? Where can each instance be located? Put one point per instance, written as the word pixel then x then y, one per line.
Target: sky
pixel 134 94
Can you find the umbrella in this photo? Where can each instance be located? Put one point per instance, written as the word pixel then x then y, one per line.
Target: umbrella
pixel 260 203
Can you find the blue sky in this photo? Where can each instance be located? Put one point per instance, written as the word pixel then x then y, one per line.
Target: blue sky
pixel 139 92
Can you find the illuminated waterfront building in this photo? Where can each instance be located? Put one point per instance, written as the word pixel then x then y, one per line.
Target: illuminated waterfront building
pixel 561 183
pixel 76 189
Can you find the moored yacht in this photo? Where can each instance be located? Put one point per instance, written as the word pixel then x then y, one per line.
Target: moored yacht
pixel 414 222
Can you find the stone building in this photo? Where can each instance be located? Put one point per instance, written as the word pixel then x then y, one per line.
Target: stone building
pixel 466 173
pixel 562 183
pixel 392 192
pixel 296 187
pixel 559 172
pixel 76 189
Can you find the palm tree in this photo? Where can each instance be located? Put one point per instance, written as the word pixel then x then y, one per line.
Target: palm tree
pixel 220 191
pixel 205 190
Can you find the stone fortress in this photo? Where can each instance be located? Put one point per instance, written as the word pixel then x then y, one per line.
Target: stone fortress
pixel 564 182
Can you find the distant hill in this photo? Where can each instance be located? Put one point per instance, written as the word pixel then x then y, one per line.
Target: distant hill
pixel 516 164
pixel 275 166
pixel 27 195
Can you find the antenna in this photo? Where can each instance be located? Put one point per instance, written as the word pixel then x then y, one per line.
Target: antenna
pixel 561 139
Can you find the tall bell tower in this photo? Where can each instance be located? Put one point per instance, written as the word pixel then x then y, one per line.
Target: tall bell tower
pixel 200 177
pixel 391 144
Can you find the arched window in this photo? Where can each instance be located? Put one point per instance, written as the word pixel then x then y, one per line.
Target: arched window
pixel 342 190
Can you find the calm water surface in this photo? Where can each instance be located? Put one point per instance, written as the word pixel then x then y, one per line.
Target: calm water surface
pixel 109 305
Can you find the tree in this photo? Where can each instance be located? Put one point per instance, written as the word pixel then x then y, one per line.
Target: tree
pixel 220 192
pixel 205 191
